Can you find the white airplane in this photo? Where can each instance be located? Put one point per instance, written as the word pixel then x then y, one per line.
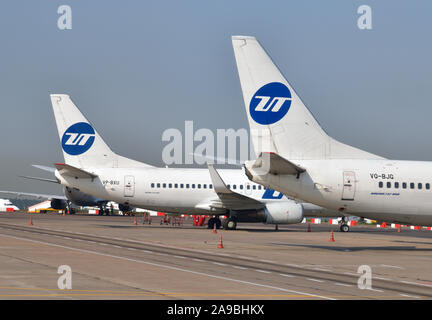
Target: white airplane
pixel 71 196
pixel 7 204
pixel 296 157
pixel 93 168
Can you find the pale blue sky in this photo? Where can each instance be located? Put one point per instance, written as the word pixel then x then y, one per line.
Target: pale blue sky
pixel 136 68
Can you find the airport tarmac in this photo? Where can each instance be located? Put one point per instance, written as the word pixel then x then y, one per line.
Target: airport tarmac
pixel 111 258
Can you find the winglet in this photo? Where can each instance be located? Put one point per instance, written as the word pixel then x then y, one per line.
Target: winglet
pixel 218 184
pixel 229 198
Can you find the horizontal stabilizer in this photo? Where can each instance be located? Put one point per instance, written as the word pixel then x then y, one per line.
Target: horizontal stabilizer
pixel 40 179
pixel 45 168
pixel 34 195
pixel 70 171
pixel 275 164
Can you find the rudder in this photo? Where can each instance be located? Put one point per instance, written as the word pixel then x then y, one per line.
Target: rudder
pixel 278 119
pixel 82 146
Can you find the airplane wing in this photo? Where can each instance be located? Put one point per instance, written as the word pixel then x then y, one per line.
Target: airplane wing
pixel 35 195
pixel 228 198
pixel 67 170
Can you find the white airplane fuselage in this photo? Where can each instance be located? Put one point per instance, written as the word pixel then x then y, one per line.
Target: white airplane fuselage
pixel 393 191
pixel 91 167
pixel 174 190
pixel 298 158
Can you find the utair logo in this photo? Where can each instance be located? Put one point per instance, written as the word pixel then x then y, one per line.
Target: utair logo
pixel 272 194
pixel 270 103
pixel 78 138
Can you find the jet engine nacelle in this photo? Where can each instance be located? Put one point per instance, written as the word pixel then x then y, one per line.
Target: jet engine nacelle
pixel 124 208
pixel 283 213
pixel 58 204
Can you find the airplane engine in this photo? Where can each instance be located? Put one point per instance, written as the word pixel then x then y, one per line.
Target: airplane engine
pixel 283 213
pixel 58 204
pixel 124 208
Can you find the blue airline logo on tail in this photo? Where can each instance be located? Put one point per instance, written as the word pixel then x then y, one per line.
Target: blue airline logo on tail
pixel 270 103
pixel 270 194
pixel 78 138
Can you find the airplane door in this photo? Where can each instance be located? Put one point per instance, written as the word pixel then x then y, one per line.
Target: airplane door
pixel 349 185
pixel 129 186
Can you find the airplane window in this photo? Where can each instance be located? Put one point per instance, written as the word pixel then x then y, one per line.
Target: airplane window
pixel 380 184
pixel 259 187
pixel 193 185
pixel 170 185
pixel 396 185
pixel 412 185
pixel 420 186
pixel 241 187
pixel 158 185
pixel 404 185
pixel 254 187
pixel 427 186
pixel 181 185
pixel 234 186
pixel 187 185
pixel 199 186
pixel 175 185
pixel 204 186
pixel 210 186
pixel 152 185
pixel 163 185
pixel 248 187
pixel 228 186
pixel 388 184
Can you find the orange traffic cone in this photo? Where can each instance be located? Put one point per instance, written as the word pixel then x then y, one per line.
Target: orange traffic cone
pixel 309 228
pixel 31 221
pixel 332 237
pixel 220 246
pixel 135 222
pixel 399 228
pixel 214 228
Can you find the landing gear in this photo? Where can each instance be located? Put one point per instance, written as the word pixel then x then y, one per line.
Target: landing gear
pixel 343 226
pixel 69 208
pixel 230 224
pixel 103 210
pixel 214 221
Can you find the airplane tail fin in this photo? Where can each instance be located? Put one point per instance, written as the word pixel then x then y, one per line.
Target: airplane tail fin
pixel 278 119
pixel 81 144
